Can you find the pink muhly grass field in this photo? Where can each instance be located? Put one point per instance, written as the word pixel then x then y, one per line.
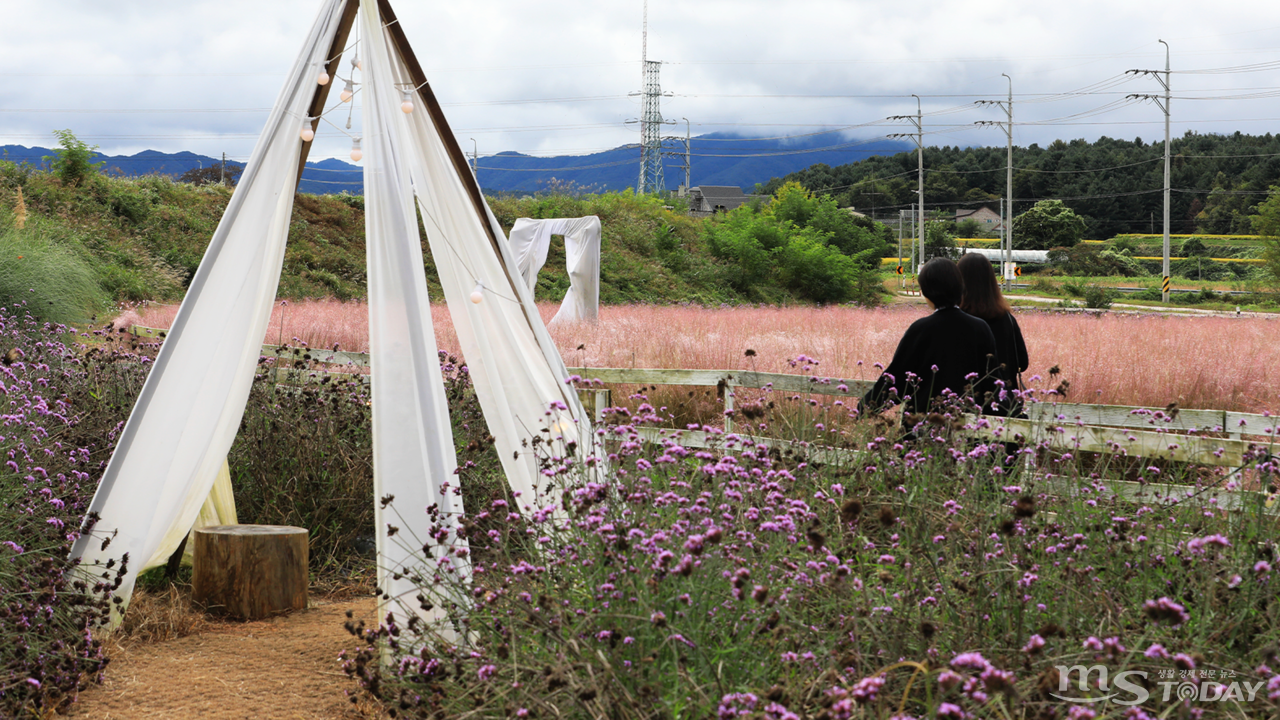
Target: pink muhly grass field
pixel 1203 362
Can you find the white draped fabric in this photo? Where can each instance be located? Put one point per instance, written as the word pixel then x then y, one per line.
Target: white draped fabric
pixel 186 417
pixel 531 239
pixel 413 453
pixel 514 365
pixel 183 424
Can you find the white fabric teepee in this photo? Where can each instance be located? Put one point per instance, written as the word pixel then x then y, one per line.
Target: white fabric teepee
pixel 531 239
pixel 185 419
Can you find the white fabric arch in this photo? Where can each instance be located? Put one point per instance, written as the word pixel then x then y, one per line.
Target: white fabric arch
pixel 531 239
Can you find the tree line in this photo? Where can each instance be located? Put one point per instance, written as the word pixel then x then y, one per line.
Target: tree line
pixel 1115 186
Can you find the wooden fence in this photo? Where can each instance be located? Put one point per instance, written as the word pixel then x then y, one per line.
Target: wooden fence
pixel 1203 437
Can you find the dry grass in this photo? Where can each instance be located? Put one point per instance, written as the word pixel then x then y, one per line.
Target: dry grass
pixel 158 616
pixel 1207 362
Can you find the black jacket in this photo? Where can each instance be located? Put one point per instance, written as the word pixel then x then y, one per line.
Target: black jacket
pixel 956 344
pixel 1011 349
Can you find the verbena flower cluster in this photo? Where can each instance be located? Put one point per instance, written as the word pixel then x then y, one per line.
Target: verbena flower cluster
pixel 732 578
pixel 52 460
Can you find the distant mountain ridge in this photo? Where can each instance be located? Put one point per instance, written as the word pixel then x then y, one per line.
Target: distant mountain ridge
pixel 717 159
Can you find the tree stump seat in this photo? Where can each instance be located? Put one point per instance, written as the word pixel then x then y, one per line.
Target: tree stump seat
pixel 250 572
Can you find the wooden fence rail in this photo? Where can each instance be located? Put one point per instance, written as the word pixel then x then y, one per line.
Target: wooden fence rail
pixel 1204 437
pixel 1184 435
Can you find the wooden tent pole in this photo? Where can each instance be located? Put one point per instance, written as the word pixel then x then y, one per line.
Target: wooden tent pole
pixel 456 156
pixel 322 91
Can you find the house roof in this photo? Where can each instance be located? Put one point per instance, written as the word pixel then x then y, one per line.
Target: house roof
pixel 718 191
pixel 967 213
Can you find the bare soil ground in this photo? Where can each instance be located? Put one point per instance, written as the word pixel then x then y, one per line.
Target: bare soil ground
pixel 285 667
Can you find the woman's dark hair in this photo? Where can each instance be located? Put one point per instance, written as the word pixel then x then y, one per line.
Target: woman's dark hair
pixel 940 281
pixel 982 296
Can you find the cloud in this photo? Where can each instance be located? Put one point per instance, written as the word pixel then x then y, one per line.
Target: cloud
pixel 213 69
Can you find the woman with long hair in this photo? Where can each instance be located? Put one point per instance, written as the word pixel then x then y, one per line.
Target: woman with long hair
pixel 982 299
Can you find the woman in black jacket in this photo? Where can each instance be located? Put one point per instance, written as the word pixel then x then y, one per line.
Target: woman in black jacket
pixel 947 352
pixel 982 299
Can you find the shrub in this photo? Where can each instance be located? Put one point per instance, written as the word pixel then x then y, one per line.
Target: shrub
pixel 817 271
pixel 1089 261
pixel 38 269
pixel 1098 297
pixel 72 159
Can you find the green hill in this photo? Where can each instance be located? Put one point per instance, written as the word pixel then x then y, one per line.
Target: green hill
pixel 142 239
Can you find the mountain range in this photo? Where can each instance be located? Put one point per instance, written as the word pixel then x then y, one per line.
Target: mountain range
pixel 716 159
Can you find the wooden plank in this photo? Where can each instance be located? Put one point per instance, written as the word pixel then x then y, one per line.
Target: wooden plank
pixel 703 439
pixel 290 376
pixel 1139 418
pixel 1267 426
pixel 1133 443
pixel 320 355
pixel 713 378
pixel 1167 494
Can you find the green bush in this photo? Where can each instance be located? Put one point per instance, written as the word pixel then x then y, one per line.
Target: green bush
pixel 817 271
pixel 1201 268
pixel 1098 297
pixel 72 160
pixel 53 281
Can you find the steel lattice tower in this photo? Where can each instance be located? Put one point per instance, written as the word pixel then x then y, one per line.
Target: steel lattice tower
pixel 651 132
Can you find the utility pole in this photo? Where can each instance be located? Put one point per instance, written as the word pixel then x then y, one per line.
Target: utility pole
pixel 688 157
pixel 475 159
pixel 1006 223
pixel 873 195
pixel 901 212
pixel 222 170
pixel 1164 105
pixel 918 136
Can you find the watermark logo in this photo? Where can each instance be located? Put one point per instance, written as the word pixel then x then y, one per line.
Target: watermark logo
pixel 1129 687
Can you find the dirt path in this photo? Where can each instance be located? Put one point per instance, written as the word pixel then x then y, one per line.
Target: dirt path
pixel 284 668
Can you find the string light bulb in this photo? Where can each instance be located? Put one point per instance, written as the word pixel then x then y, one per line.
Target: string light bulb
pixel 322 78
pixel 348 92
pixel 356 62
pixel 307 133
pixel 407 104
pixel 356 152
pixel 477 295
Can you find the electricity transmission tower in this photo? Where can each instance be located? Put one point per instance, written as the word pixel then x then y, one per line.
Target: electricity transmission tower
pixel 651 132
pixel 650 117
pixel 918 137
pixel 1164 105
pixel 1006 222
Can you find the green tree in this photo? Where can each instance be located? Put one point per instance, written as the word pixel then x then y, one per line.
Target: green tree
pixel 969 228
pixel 1048 224
pixel 814 270
pixel 1267 224
pixel 938 240
pixel 72 159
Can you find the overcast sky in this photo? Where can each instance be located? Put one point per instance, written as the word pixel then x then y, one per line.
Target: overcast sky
pixel 554 78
